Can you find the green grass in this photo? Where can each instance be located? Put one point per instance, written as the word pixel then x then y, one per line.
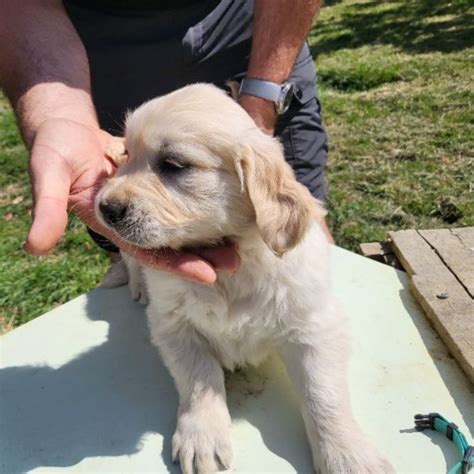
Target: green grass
pixel 395 80
pixel 29 286
pixel 396 86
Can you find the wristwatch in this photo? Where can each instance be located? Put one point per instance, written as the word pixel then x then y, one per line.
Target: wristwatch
pixel 279 94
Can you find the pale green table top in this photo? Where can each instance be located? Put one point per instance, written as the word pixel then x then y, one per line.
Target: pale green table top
pixel 82 389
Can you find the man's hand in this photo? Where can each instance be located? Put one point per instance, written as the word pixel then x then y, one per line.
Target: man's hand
pixel 45 73
pixel 67 167
pixel 262 111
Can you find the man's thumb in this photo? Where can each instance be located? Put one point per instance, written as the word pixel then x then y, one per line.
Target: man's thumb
pixel 51 181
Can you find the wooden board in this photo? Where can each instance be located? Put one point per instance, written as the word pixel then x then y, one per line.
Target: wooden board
pixel 372 249
pixel 380 252
pixel 438 288
pixel 455 252
pixel 466 235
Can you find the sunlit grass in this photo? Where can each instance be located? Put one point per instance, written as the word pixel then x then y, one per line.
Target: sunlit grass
pixel 395 79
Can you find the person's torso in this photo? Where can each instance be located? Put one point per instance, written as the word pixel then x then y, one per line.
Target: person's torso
pixel 136 4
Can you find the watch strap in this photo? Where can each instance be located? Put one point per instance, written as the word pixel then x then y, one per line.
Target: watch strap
pixel 264 89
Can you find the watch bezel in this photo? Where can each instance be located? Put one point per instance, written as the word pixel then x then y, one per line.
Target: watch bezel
pixel 286 95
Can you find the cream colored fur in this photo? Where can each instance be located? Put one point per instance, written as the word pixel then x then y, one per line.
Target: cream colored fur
pixel 228 179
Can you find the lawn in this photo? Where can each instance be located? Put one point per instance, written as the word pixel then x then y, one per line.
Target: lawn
pixel 395 80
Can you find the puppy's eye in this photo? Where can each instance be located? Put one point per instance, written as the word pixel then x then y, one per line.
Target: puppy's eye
pixel 171 166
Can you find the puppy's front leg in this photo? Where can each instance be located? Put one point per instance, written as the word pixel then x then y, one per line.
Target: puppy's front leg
pixel 136 281
pixel 202 437
pixel 317 364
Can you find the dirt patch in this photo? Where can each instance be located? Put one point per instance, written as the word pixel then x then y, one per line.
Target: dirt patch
pixel 10 193
pixel 245 382
pixel 6 324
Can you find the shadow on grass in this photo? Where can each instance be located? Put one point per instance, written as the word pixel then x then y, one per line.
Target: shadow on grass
pixel 420 26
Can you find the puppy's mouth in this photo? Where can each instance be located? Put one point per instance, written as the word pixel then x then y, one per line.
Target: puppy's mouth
pixel 160 244
pixel 130 235
pixel 135 237
pixel 196 262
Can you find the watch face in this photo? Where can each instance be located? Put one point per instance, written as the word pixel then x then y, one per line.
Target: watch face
pixel 286 95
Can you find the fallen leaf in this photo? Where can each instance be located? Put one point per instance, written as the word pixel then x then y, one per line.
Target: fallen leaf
pixel 8 216
pixel 18 199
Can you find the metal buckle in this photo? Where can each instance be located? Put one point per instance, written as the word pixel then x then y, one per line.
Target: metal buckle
pixel 284 100
pixel 467 462
pixel 424 422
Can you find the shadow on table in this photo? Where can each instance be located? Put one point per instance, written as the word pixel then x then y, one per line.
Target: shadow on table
pixel 448 369
pixel 98 404
pixel 103 402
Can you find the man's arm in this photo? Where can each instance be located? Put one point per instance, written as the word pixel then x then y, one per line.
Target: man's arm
pixel 44 69
pixel 280 29
pixel 45 73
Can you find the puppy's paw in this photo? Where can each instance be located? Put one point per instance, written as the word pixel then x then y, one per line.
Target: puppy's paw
pixel 356 457
pixel 201 442
pixel 136 284
pixel 138 290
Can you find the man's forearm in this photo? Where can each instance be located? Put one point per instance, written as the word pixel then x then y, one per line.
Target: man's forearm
pixel 280 29
pixel 44 69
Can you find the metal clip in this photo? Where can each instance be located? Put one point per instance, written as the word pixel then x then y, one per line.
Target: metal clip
pixel 424 422
pixel 468 460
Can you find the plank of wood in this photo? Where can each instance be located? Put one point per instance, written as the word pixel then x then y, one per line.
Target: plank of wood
pixel 466 235
pixel 380 252
pixel 372 249
pixel 455 252
pixel 445 301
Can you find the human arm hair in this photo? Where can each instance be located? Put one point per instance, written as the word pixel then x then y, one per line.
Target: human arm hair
pixel 280 30
pixel 44 70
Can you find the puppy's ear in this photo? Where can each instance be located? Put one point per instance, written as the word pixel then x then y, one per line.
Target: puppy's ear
pixel 115 150
pixel 284 208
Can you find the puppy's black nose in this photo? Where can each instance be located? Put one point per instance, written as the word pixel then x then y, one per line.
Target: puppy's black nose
pixel 113 212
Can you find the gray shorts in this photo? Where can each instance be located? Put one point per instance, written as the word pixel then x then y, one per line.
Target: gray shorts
pixel 138 54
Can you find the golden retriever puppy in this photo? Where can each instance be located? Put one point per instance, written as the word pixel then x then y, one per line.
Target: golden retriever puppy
pixel 200 171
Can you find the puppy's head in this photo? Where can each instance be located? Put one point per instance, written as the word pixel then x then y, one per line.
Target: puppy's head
pixel 199 170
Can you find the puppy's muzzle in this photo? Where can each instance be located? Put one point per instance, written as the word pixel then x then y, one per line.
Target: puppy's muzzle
pixel 113 212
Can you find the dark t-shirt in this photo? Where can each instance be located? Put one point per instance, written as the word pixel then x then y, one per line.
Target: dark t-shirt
pixel 135 4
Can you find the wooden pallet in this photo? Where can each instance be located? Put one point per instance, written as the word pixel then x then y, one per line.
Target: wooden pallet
pixel 380 252
pixel 440 264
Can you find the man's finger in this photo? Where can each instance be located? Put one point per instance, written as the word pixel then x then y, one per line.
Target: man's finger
pixel 51 183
